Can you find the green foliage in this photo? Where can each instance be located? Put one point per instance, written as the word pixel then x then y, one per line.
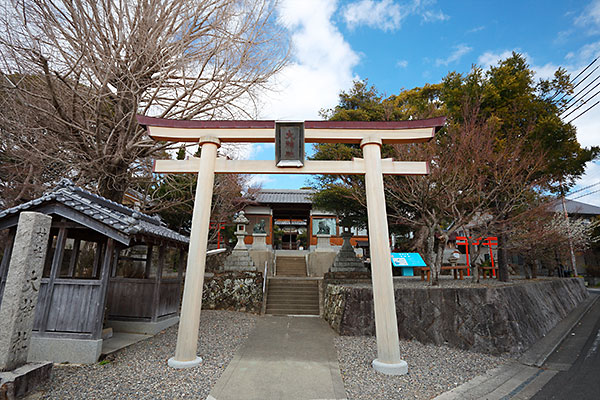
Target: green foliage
pixel 341 200
pixel 520 119
pixel 517 108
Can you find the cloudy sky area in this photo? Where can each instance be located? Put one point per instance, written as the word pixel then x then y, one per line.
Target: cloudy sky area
pixel 403 44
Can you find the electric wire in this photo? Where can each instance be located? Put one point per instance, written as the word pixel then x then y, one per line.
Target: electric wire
pixel 592 106
pixel 563 110
pixel 582 80
pixel 585 194
pixel 574 79
pixel 583 188
pixel 581 104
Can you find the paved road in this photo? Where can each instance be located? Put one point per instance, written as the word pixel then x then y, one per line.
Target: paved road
pixel 578 361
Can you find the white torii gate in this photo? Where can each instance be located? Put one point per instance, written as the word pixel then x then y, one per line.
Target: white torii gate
pixel 370 136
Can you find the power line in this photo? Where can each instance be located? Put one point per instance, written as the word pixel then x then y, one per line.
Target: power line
pixel 585 69
pixel 565 108
pixel 582 80
pixel 583 188
pixel 583 103
pixel 586 194
pixel 574 79
pixel 592 106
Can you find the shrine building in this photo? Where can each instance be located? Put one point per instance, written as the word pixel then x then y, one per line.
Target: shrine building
pixel 292 223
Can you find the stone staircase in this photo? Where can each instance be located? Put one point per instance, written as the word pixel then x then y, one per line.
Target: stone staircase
pixel 288 293
pixel 294 266
pixel 292 297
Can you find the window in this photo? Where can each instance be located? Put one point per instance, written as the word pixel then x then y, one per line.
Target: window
pixel 132 262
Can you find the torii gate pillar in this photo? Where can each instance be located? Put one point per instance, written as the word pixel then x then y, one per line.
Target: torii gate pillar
pixel 370 135
pixel 189 322
pixel 386 326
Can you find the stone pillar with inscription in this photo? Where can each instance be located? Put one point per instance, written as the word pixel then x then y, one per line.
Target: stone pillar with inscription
pixel 17 310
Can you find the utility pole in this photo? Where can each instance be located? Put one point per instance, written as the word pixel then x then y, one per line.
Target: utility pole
pixel 573 261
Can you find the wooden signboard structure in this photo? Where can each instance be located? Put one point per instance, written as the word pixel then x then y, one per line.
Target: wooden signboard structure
pixel 369 135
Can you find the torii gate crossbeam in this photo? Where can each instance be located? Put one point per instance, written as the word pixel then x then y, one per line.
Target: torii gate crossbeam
pixel 370 135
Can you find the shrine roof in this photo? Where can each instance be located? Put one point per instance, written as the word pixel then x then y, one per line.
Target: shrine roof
pixel 576 208
pixel 271 196
pixel 99 212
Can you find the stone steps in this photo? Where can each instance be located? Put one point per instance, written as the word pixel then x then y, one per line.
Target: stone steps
pixel 291 266
pixel 292 297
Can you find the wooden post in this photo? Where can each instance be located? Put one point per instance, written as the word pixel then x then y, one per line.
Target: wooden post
pixel 148 264
pixel 180 264
pixel 109 252
pixel 6 260
pixel 54 273
pixel 74 257
pixel 187 337
pixel 97 259
pixel 386 326
pixel 157 282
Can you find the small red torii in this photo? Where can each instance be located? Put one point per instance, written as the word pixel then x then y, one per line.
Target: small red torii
pixel 488 241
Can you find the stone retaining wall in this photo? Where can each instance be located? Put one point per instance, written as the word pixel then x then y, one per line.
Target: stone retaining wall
pixel 493 320
pixel 235 290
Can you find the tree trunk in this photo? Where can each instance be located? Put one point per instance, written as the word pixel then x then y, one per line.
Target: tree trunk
pixel 114 183
pixel 431 254
pixel 439 258
pixel 502 258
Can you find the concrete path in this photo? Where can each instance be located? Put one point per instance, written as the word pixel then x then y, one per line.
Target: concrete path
pixel 284 358
pixel 523 378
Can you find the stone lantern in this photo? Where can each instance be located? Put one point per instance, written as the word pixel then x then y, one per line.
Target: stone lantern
pixel 240 222
pixel 239 259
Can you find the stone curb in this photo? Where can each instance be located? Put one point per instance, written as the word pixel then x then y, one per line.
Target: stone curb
pixel 537 354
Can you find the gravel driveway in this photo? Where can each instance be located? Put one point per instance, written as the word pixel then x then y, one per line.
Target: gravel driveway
pixel 432 370
pixel 140 371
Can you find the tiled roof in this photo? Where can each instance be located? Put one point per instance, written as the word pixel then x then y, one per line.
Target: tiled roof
pixel 270 196
pixel 117 216
pixel 576 207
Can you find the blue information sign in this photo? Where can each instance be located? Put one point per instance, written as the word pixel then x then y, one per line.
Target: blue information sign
pixel 407 261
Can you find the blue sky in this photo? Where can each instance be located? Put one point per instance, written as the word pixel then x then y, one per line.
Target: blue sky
pixel 404 44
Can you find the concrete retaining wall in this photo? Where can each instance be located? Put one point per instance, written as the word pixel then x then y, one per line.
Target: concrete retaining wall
pixel 234 290
pixel 494 320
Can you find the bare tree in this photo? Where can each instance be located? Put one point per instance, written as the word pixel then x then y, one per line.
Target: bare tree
pixel 543 239
pixel 74 73
pixel 470 172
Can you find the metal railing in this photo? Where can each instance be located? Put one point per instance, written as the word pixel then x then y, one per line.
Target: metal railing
pixel 265 278
pixel 306 262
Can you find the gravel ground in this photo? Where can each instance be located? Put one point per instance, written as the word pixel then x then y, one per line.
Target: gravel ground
pixel 432 370
pixel 140 371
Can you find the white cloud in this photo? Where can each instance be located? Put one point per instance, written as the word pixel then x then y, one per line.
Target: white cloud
pixel 385 14
pixel 388 15
pixel 587 52
pixel 590 18
pixel 489 58
pixel 260 180
pixel 321 67
pixel 402 64
pixel 476 29
pixel 432 16
pixel 456 55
